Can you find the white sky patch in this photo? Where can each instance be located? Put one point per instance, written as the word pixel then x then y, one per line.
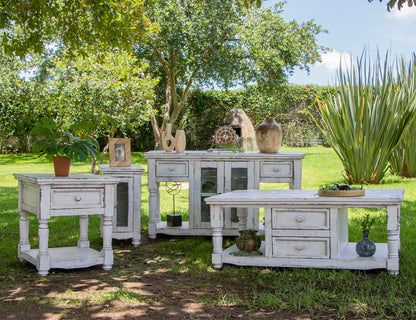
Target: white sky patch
pixel 331 60
pixel 406 13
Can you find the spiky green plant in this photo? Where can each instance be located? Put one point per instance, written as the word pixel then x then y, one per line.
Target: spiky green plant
pixel 403 160
pixel 368 115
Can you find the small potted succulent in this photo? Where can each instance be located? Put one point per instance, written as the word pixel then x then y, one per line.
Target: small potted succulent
pixel 59 142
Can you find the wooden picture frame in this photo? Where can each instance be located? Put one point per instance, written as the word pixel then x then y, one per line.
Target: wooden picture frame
pixel 119 152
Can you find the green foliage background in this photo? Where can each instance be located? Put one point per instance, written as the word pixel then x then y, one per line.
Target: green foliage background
pixel 207 111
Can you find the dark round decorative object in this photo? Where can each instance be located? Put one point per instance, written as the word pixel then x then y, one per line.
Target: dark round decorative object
pixel 365 247
pixel 226 135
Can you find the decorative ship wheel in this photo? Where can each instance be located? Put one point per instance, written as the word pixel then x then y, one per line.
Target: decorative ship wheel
pixel 225 134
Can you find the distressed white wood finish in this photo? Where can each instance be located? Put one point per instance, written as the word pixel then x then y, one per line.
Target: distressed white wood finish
pixel 282 167
pixel 303 229
pixel 132 176
pixel 48 196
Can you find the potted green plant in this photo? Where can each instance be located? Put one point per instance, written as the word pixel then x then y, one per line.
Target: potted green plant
pixel 60 142
pixel 248 241
pixel 365 247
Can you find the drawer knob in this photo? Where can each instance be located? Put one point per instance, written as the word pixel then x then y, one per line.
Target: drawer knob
pixel 77 197
pixel 171 168
pixel 276 170
pixel 299 247
pixel 300 218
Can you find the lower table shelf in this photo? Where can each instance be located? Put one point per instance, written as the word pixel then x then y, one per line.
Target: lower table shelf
pixel 347 260
pixel 184 230
pixel 67 257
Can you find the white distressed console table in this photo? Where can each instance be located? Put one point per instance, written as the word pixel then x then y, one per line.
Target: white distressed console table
pixel 80 195
pixel 303 229
pixel 215 172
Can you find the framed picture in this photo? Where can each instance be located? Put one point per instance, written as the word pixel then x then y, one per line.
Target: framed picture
pixel 119 152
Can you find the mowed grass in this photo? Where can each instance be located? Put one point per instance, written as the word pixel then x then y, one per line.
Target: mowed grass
pixel 320 293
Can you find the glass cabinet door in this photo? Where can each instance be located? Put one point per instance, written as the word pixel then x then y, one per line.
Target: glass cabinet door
pixel 122 215
pixel 208 189
pixel 209 181
pixel 239 181
pixel 218 177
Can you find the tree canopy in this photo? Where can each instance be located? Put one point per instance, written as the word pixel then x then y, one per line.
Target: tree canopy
pixel 392 3
pixel 220 44
pixel 28 26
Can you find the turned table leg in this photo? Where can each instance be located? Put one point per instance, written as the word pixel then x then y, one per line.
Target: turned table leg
pixel 83 232
pixel 24 234
pixel 43 264
pixel 393 239
pixel 217 225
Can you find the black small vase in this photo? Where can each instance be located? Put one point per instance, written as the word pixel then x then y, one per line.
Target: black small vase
pixel 365 247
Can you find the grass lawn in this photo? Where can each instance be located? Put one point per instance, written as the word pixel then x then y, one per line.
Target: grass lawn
pixel 329 294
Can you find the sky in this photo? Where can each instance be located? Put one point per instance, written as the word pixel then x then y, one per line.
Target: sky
pixel 353 26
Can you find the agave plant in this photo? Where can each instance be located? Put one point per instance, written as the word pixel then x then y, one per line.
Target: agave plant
pixel 365 120
pixel 403 160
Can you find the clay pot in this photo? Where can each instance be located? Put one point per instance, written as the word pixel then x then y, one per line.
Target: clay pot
pixel 168 141
pixel 248 241
pixel 269 136
pixel 180 141
pixel 62 166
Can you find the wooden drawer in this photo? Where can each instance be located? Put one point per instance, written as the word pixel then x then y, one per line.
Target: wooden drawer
pixel 270 169
pixel 77 198
pixel 313 248
pixel 171 168
pixel 312 219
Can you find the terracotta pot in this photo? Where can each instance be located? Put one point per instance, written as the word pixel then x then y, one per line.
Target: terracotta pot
pixel 62 166
pixel 269 136
pixel 180 141
pixel 168 141
pixel 248 241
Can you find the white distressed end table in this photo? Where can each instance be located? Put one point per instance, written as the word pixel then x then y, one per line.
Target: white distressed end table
pixel 80 195
pixel 225 171
pixel 303 229
pixel 127 219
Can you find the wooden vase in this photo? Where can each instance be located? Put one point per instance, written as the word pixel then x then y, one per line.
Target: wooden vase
pixel 62 166
pixel 180 141
pixel 168 141
pixel 269 136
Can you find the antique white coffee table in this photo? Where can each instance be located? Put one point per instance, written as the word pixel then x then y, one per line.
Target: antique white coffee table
pixel 303 229
pixel 80 195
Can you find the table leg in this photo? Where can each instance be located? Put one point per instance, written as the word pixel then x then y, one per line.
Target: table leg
pixel 393 239
pixel 24 234
pixel 43 263
pixel 83 232
pixel 153 211
pixel 217 225
pixel 107 250
pixel 137 184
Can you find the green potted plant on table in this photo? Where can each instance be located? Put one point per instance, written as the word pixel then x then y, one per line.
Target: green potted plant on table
pixel 61 143
pixel 365 247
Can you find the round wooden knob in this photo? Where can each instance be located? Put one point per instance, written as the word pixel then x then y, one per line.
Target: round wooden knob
pixel 299 247
pixel 276 169
pixel 171 169
pixel 77 197
pixel 300 218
